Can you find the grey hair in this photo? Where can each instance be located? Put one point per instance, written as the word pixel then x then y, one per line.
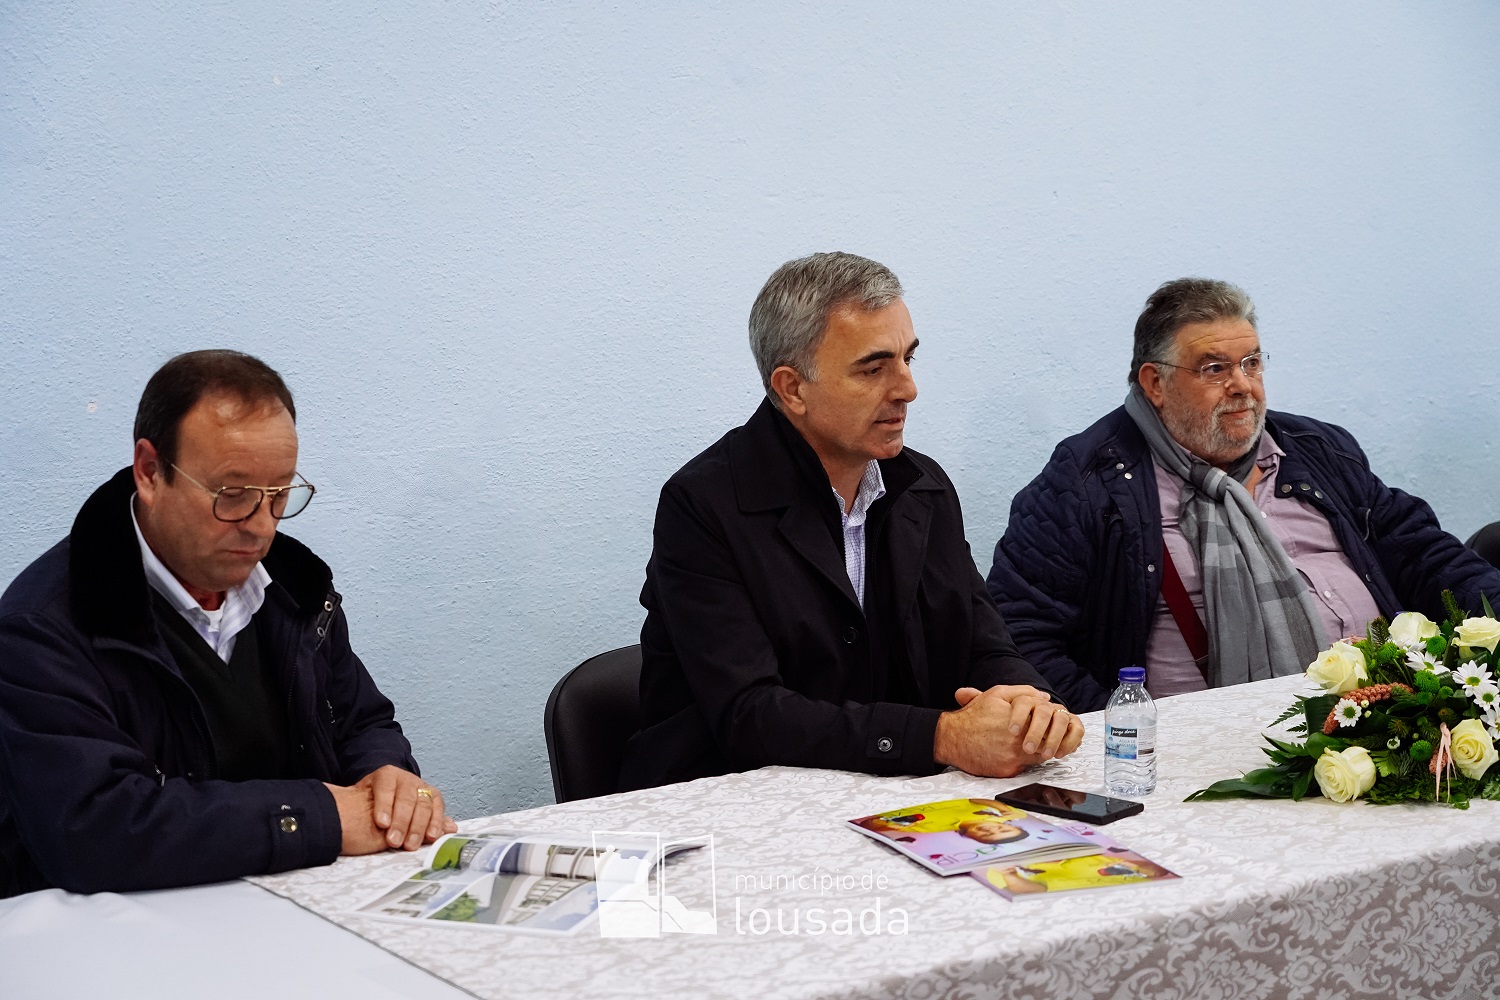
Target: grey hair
pixel 1175 305
pixel 791 312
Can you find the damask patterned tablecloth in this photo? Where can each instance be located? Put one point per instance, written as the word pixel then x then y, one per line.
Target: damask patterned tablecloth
pixel 1308 900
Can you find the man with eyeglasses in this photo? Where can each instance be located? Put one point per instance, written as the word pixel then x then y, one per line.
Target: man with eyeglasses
pixel 1195 533
pixel 179 703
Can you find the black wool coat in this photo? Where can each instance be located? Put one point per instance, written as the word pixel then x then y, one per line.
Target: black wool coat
pixel 755 648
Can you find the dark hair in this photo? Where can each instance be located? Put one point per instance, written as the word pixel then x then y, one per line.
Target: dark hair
pixel 179 384
pixel 1175 305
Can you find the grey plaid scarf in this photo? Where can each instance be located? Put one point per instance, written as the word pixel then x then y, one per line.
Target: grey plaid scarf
pixel 1260 618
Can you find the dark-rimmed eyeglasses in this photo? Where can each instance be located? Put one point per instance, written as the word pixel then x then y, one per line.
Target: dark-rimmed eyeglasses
pixel 1219 372
pixel 240 503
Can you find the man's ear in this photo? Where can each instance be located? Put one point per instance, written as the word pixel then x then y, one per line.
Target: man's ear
pixel 787 383
pixel 148 471
pixel 1153 384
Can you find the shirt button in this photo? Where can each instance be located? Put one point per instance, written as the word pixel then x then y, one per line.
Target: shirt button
pixel 1318 494
pixel 1151 567
pixel 288 824
pixel 1119 465
pixel 1286 487
pixel 884 744
pixel 1128 476
pixel 850 635
pixel 1328 594
pixel 1305 487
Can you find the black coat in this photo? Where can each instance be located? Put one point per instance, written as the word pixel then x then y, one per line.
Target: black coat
pixel 755 649
pixel 1077 573
pixel 107 769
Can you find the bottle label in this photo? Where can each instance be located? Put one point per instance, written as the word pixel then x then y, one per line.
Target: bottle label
pixel 1128 742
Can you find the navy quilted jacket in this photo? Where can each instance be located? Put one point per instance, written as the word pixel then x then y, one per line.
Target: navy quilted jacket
pixel 1077 572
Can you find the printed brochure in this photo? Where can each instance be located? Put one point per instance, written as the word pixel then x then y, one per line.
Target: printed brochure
pixel 959 835
pixel 1115 864
pixel 530 883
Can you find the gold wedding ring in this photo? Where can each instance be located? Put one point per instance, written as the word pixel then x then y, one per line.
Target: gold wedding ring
pixel 425 793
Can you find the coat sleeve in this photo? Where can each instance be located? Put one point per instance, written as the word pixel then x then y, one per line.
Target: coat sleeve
pixel 1418 557
pixel 366 735
pixel 1039 579
pixel 730 664
pixel 93 810
pixel 996 658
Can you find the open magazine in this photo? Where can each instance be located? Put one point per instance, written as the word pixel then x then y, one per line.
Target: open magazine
pixel 959 835
pixel 531 883
pixel 1114 864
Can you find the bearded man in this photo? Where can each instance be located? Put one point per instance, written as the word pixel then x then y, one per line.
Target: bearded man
pixel 1195 533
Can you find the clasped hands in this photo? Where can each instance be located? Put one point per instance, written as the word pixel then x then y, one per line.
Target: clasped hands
pixel 389 807
pixel 997 732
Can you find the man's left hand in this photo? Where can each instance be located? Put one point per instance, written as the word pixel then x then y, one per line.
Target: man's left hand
pixel 408 809
pixel 1050 730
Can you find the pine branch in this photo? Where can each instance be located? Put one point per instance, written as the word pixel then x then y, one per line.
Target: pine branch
pixel 1456 615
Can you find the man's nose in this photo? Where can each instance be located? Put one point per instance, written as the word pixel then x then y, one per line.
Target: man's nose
pixel 1239 382
pixel 905 388
pixel 261 523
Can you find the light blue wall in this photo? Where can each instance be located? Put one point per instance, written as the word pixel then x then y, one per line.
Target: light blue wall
pixel 504 256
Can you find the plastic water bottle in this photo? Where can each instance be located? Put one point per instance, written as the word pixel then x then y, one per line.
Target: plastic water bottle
pixel 1130 736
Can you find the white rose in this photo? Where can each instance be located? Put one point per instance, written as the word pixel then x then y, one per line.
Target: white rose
pixel 1345 775
pixel 1483 632
pixel 1339 668
pixel 1411 629
pixel 1473 750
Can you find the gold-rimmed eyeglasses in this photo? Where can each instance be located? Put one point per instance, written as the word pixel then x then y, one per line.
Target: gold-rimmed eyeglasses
pixel 1219 372
pixel 240 503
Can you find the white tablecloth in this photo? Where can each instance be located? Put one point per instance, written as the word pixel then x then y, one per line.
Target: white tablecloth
pixel 230 941
pixel 1311 900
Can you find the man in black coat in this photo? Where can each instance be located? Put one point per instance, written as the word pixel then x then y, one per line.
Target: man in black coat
pixel 178 700
pixel 811 599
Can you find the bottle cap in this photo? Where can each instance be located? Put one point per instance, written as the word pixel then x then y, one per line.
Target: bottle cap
pixel 1132 675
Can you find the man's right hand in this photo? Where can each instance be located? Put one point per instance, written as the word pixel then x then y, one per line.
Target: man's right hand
pixel 998 732
pixel 356 807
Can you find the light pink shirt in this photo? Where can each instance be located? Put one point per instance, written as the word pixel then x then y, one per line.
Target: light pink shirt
pixel 1344 603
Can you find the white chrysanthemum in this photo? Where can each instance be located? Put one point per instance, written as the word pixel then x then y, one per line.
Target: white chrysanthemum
pixel 1347 712
pixel 1423 660
pixel 1485 695
pixel 1471 673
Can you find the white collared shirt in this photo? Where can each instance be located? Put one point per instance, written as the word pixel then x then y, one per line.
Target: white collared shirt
pixel 871 488
pixel 217 628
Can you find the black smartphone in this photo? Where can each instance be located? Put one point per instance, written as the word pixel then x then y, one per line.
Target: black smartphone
pixel 1068 804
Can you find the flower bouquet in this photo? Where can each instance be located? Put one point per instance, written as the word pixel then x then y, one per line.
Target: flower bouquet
pixel 1409 713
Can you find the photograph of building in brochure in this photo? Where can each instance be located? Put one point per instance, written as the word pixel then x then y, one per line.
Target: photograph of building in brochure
pixel 530 883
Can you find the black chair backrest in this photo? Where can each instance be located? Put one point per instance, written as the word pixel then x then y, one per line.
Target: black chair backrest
pixel 1486 542
pixel 590 715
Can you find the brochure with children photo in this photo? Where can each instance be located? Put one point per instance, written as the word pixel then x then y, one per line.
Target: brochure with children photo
pixel 529 883
pixel 1115 864
pixel 959 835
